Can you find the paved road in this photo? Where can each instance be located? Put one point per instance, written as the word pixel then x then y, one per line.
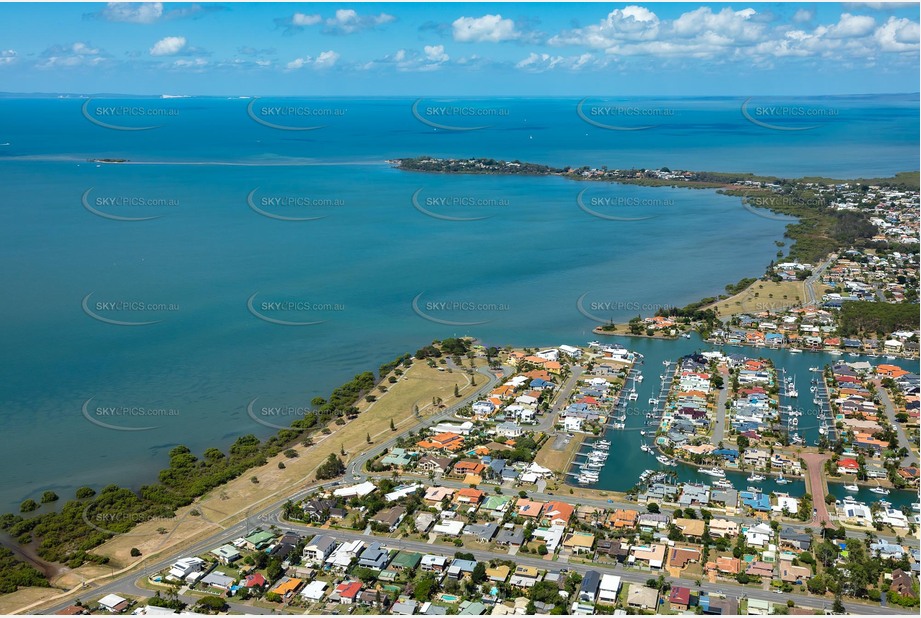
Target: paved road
pixel 912 458
pixel 719 430
pixel 815 473
pixel 813 279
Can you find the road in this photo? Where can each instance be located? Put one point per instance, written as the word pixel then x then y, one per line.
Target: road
pixel 719 430
pixel 815 473
pixel 912 458
pixel 813 279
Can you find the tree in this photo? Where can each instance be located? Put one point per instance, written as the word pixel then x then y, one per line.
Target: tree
pixel 135 552
pixel 394 427
pixel 330 468
pixel 479 573
pixel 652 507
pixel 28 506
pixel 368 438
pixel 423 588
pixel 211 603
pixel 838 607
pixel 49 496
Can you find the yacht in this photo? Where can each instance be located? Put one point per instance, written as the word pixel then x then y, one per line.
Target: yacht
pixel 755 478
pixel 645 448
pixel 823 430
pixel 835 352
pixel 723 484
pixel 713 472
pixel 782 481
pixel 638 378
pixel 666 363
pixel 602 444
pixel 851 488
pixel 794 350
pixel 890 357
pixel 653 401
pixel 814 369
pixel 632 396
pixel 642 432
pixel 880 490
pixel 791 388
pixel 916 506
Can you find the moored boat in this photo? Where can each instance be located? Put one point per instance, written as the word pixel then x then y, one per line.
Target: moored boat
pixel 713 472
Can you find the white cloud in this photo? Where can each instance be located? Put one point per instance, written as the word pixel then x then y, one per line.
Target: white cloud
pixel 73 55
pixel 133 12
pixel 7 56
pixel 850 26
pixel 727 25
pixel 436 53
pixel 486 29
pixel 803 16
pixel 898 35
pixel 325 60
pixel 348 21
pixel 537 63
pixel 190 63
pixel 301 19
pixel 168 46
pixel 632 23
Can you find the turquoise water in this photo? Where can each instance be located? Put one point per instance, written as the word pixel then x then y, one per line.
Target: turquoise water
pixel 359 268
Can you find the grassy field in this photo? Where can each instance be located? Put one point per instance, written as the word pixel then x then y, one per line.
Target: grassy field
pixel 764 296
pixel 227 504
pixel 558 460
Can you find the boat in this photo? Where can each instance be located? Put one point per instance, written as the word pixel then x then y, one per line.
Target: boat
pixel 639 377
pixel 782 481
pixel 916 506
pixel 837 352
pixel 890 357
pixel 620 418
pixel 666 363
pixel 723 484
pixel 686 335
pixel 823 430
pixel 851 488
pixel 653 401
pixel 645 448
pixel 791 388
pixel 603 443
pixel 632 396
pixel 814 369
pixel 713 472
pixel 618 425
pixel 880 490
pixel 755 478
pixel 662 459
pixel 795 351
pixel 642 432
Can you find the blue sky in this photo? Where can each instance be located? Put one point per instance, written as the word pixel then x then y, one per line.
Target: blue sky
pixel 695 49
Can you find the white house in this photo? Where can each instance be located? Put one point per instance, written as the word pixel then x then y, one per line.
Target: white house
pixel 571 351
pixel 113 603
pixel 759 536
pixel 551 355
pixel 183 567
pixel 608 589
pixel 342 557
pixel 361 490
pixel 572 424
pixel 315 590
pixel 448 527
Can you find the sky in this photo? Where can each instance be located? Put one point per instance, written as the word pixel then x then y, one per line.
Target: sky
pixel 483 49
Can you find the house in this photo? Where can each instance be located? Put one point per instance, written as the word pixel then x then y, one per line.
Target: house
pixel 76 610
pixel 757 568
pixel 483 533
pixel 623 518
pixel 460 567
pixel 436 495
pixel 794 574
pixel 183 567
pixel 434 562
pixel 448 527
pixel 591 580
pixel 649 522
pixel 902 583
pixel 348 592
pixel 529 508
pixel 254 580
pixel 424 522
pixel 652 555
pixel 617 550
pixel 345 554
pixel 679 557
pixel 468 495
pixel 510 536
pixel 445 441
pixel 848 466
pixel 389 518
pixel 729 565
pixel 579 542
pixel 641 597
pixel 789 537
pixel 724 528
pixel 557 513
pixel 759 536
pixel 496 504
pixel 679 598
pixel 287 586
pixel 608 589
pixel 355 491
pixel 319 549
pixel 374 557
pixel 524 576
pixel 113 603
pixel 499 573
pixel 467 466
pixel 218 580
pixel 405 560
pixel 404 608
pixel 435 465
pixel 317 510
pixel 315 590
pixel 258 539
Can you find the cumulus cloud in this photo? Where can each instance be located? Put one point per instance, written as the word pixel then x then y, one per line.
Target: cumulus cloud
pixel 436 53
pixel 850 26
pixel 898 35
pixel 168 46
pixel 133 12
pixel 803 16
pixel 348 21
pixel 632 23
pixel 485 29
pixel 538 63
pixel 7 56
pixel 73 55
pixel 324 60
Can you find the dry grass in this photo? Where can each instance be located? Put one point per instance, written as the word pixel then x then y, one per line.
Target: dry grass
pixel 229 503
pixel 765 296
pixel 558 460
pixel 24 596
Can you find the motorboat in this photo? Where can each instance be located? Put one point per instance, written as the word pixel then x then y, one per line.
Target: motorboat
pixel 851 488
pixel 645 448
pixel 602 444
pixel 653 401
pixel 717 472
pixel 814 369
pixel 639 377
pixel 880 490
pixel 755 478
pixel 723 484
pixel 662 459
pixel 782 481
pixel 795 351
